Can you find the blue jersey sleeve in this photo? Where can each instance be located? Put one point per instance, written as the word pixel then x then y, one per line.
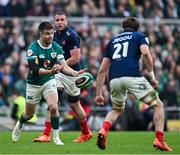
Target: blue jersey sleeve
pixel 143 39
pixel 75 42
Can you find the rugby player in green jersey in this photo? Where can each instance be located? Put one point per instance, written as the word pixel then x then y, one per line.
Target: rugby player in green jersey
pixel 45 58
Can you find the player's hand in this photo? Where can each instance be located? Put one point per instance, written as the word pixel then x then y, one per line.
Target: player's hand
pixel 154 83
pixel 77 73
pixel 82 71
pixel 99 100
pixel 56 68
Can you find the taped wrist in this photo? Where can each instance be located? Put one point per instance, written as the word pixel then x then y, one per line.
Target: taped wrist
pixel 74 74
pixel 151 75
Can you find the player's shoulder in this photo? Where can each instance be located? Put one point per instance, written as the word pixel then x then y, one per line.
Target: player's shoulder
pixel 55 45
pixel 32 50
pixel 139 34
pixel 55 33
pixel 71 32
pixel 33 45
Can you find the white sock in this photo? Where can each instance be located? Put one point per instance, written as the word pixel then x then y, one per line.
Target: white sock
pixel 55 133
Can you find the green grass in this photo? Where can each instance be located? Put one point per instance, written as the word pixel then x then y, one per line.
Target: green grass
pixel 117 143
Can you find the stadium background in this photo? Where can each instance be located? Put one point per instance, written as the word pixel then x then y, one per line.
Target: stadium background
pixel 96 21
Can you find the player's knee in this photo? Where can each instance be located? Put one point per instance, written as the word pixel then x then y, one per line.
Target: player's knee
pixel 73 99
pixel 53 109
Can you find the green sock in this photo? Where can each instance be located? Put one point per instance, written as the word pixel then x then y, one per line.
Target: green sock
pixel 55 122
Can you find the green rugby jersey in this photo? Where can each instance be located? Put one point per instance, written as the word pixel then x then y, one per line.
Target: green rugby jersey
pixel 46 58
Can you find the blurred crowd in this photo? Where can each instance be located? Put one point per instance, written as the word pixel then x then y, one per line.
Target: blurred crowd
pixel 16 35
pixel 101 8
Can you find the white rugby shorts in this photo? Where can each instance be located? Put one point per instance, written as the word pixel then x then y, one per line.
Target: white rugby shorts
pixel 67 83
pixel 138 86
pixel 34 93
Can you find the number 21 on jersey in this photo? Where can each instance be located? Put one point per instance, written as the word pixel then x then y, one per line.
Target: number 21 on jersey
pixel 118 48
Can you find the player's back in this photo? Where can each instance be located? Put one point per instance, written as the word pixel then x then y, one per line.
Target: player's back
pixel 124 52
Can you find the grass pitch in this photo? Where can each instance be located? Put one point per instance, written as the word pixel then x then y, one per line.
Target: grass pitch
pixel 117 143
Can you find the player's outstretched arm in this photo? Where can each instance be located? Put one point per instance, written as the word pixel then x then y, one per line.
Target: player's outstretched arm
pixel 68 70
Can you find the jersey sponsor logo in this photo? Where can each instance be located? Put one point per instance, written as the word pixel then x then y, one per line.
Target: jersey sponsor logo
pixel 122 38
pixel 53 55
pixel 29 53
pixel 46 63
pixel 142 87
pixel 41 56
pixel 68 33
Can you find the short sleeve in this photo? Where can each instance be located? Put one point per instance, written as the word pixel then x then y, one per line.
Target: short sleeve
pixel 75 41
pixel 31 53
pixel 60 57
pixel 59 51
pixel 144 39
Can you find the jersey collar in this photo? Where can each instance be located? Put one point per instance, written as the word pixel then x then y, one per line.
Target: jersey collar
pixel 63 31
pixel 48 47
pixel 128 29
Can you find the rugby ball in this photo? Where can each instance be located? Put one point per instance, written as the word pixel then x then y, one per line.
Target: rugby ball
pixel 84 80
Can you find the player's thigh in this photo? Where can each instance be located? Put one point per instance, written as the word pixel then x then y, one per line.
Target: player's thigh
pixel 118 93
pixel 142 89
pixel 68 83
pixel 52 100
pixel 50 92
pixel 33 94
pixel 59 81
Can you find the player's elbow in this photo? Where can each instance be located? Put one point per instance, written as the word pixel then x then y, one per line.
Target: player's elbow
pixel 75 60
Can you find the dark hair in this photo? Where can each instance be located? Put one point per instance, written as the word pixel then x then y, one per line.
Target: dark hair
pixel 131 23
pixel 45 26
pixel 60 13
